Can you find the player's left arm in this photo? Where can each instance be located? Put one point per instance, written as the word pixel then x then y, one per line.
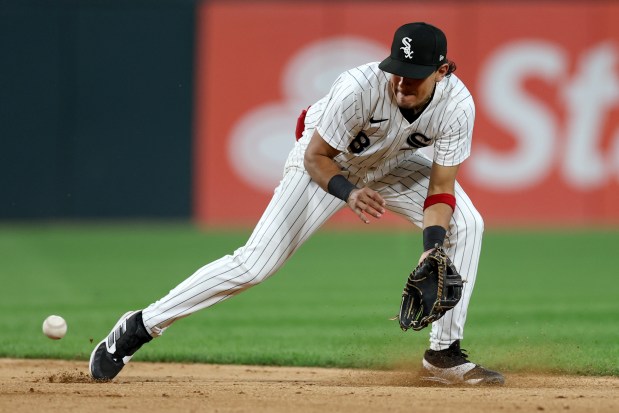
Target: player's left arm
pixel 450 150
pixel 442 181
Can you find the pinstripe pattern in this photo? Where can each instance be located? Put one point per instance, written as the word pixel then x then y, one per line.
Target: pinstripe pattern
pixel 298 208
pixel 404 190
pixel 360 100
pixel 364 93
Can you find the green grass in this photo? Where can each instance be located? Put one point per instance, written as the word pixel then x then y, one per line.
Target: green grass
pixel 545 301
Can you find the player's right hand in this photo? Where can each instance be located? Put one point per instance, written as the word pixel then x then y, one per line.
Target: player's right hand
pixel 366 201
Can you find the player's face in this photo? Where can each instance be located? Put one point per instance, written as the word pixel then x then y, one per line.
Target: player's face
pixel 412 93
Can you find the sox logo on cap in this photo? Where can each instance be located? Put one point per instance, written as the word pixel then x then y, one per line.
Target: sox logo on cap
pixel 408 53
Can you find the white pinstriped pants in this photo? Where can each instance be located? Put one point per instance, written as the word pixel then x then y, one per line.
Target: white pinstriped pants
pixel 298 208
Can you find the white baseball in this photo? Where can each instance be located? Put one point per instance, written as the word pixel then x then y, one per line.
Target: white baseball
pixel 54 327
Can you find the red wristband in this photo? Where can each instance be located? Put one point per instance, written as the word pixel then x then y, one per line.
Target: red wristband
pixel 445 198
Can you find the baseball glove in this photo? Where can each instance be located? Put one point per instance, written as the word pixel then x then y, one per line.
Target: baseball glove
pixel 431 289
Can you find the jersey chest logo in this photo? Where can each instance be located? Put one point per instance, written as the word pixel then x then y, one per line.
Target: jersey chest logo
pixel 418 140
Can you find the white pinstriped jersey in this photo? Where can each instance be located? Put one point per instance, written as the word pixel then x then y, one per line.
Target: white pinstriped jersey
pixel 360 117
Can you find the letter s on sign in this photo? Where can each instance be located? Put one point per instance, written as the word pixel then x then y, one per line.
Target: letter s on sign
pixel 529 121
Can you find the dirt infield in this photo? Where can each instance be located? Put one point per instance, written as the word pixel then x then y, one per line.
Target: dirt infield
pixel 53 385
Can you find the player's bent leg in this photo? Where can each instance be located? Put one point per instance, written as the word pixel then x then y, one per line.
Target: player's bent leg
pixel 463 246
pixel 445 362
pixel 298 208
pixel 404 190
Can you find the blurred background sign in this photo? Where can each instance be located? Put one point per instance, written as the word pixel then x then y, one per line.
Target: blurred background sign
pixel 544 76
pixel 187 109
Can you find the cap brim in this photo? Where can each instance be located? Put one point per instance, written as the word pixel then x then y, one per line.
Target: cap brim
pixel 409 70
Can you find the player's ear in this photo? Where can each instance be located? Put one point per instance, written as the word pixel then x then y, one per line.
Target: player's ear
pixel 441 72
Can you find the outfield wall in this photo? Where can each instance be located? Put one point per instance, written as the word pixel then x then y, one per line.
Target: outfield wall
pixel 544 74
pixel 186 108
pixel 95 108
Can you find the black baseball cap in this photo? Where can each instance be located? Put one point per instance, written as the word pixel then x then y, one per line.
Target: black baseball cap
pixel 418 49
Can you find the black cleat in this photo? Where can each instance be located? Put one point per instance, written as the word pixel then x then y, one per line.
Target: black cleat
pixel 114 351
pixel 451 366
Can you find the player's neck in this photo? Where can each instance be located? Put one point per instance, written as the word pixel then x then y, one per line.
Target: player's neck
pixel 413 113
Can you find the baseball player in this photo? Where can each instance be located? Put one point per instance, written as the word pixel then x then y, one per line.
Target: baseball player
pixel 357 147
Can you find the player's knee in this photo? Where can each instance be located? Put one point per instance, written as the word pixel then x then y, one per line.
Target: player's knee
pixel 250 273
pixel 478 222
pixel 253 277
pixel 469 224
